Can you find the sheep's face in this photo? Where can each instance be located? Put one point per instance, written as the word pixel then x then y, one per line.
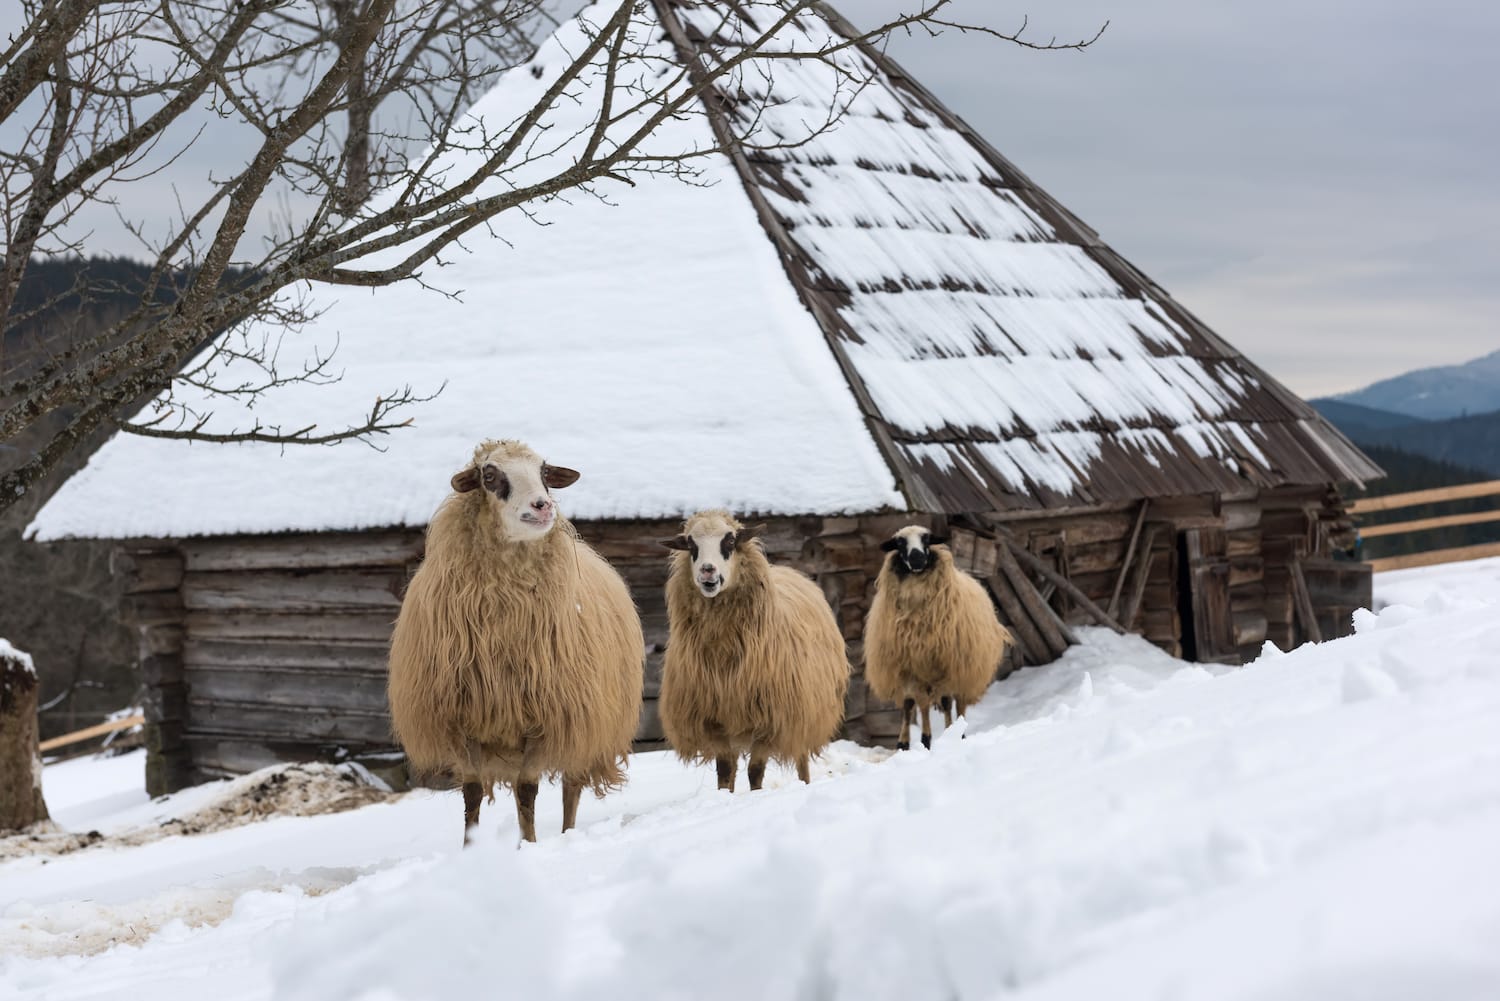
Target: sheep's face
pixel 911 550
pixel 517 485
pixel 712 542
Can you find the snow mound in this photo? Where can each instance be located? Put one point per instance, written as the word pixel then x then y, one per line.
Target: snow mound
pixel 11 653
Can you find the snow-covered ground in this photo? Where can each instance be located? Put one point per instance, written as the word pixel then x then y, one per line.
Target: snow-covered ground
pixel 1322 824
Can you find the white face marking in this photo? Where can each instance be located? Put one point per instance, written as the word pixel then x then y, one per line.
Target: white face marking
pixel 713 570
pixel 916 538
pixel 527 511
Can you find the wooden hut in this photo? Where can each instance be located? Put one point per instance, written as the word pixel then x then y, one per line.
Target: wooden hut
pixel 888 323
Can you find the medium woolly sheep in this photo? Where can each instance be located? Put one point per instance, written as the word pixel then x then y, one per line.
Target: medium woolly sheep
pixel 755 661
pixel 518 651
pixel 931 634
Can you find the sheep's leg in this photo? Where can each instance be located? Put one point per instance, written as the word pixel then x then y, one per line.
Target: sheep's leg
pixel 961 708
pixel 526 808
pixel 473 794
pixel 572 790
pixel 926 725
pixel 757 771
pixel 947 704
pixel 727 766
pixel 908 710
pixel 804 771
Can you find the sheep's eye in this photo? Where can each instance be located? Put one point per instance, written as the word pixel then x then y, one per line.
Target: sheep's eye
pixel 693 548
pixel 496 482
pixel 726 545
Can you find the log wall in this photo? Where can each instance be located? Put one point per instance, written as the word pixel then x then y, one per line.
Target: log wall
pixel 261 649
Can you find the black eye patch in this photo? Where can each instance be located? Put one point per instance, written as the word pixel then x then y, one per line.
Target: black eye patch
pixel 496 482
pixel 693 548
pixel 726 544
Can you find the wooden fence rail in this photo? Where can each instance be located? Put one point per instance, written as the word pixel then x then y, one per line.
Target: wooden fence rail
pixel 98 730
pixel 1439 495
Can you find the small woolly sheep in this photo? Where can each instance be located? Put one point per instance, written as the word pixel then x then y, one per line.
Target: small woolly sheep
pixel 755 661
pixel 931 634
pixel 518 651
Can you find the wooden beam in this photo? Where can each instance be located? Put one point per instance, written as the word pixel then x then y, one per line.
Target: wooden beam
pixel 1056 632
pixel 1138 585
pixel 98 730
pixel 1306 615
pixel 1036 649
pixel 1063 584
pixel 1438 495
pixel 1424 524
pixel 1436 556
pixel 1135 536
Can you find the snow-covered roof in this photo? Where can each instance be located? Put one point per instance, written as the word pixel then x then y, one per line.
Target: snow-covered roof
pixel 889 315
pixel 1005 355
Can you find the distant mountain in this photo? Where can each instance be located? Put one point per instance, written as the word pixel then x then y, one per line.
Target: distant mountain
pixel 1472 442
pixel 1436 393
pixel 1359 422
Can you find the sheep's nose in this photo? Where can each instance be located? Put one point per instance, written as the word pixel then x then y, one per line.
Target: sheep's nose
pixel 708 570
pixel 541 504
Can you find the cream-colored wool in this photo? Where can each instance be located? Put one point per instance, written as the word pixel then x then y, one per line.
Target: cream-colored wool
pixel 515 659
pixel 931 634
pixel 761 666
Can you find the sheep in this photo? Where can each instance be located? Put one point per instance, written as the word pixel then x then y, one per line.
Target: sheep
pixel 755 661
pixel 518 651
pixel 931 633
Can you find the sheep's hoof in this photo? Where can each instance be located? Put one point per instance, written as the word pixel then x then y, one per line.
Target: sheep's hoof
pixel 927 741
pixel 904 745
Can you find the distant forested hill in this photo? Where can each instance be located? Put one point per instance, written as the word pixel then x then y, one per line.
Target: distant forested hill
pixel 1408 472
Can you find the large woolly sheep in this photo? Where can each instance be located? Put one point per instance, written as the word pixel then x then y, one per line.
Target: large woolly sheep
pixel 931 634
pixel 755 662
pixel 518 651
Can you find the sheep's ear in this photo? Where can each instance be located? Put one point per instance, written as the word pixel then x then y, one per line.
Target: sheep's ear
pixel 890 545
pixel 557 477
pixel 937 540
pixel 744 535
pixel 676 542
pixel 465 481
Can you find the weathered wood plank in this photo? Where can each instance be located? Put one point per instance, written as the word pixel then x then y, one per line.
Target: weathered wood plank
pixel 1113 608
pixel 297 723
pixel 1067 587
pixel 293 591
pixel 142 571
pixel 1250 628
pixel 1141 579
pixel 1244 570
pixel 372 625
pixel 336 691
pixel 1307 617
pixel 1035 648
pixel 1054 631
pixel 323 551
pixel 287 655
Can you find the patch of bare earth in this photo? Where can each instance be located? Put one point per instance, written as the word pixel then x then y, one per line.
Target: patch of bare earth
pixel 299 790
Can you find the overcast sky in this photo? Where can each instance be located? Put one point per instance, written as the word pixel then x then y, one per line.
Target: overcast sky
pixel 1319 181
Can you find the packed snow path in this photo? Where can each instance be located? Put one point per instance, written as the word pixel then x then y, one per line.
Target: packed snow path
pixel 1321 824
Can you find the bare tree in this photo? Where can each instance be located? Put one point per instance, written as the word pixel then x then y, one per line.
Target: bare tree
pixel 344 98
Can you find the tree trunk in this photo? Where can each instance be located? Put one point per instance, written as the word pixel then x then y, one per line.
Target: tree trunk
pixel 21 803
